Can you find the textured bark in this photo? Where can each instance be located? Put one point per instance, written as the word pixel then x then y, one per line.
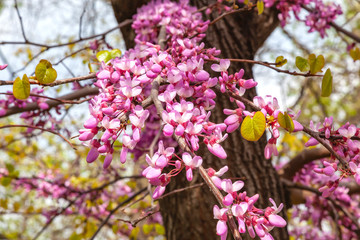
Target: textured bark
pixel 125 9
pixel 189 215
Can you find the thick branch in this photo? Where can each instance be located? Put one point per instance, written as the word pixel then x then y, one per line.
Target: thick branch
pixel 86 91
pixel 219 197
pixel 298 162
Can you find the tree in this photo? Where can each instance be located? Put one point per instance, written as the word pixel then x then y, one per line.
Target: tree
pixel 170 69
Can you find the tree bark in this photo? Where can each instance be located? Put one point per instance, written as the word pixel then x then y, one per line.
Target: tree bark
pixel 189 215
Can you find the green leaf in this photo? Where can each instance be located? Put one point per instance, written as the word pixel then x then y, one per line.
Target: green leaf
pixel 103 56
pixel 302 64
pixel 45 73
pixel 147 228
pixel 285 121
pixel 75 236
pixel 21 88
pixel 253 128
pixel 280 61
pixel 326 84
pixel 355 54
pixel 316 63
pixel 5 181
pixel 115 53
pixel 159 229
pixel 10 167
pixel 90 68
pixel 260 6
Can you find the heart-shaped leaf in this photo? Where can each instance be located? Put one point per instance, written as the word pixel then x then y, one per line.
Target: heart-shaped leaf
pixel 260 6
pixel 326 84
pixel 103 56
pixel 44 72
pixel 316 63
pixel 355 53
pixel 302 64
pixel 21 88
pixel 115 53
pixel 280 61
pixel 253 128
pixel 285 121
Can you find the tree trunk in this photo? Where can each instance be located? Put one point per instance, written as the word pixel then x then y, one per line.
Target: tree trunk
pixel 189 215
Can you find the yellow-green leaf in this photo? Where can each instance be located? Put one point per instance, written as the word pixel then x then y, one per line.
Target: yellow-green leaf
pixel 147 228
pixel 45 73
pixel 5 181
pixel 10 167
pixel 90 68
pixel 159 229
pixel 253 128
pixel 260 6
pixel 326 84
pixel 280 61
pixel 316 63
pixel 285 121
pixel 302 64
pixel 355 53
pixel 21 88
pixel 75 236
pixel 103 56
pixel 115 53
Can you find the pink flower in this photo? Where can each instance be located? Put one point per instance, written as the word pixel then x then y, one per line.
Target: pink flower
pixel 190 164
pixel 271 214
pixel 213 144
pixel 221 227
pixel 2 67
pixel 222 66
pixel 231 189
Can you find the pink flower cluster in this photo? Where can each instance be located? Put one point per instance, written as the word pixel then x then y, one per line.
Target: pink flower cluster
pixel 346 143
pixel 319 211
pixel 121 112
pixel 39 117
pixel 318 19
pixel 88 202
pixel 256 221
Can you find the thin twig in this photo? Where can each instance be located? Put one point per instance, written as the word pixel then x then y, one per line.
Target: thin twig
pixel 268 65
pixel 21 21
pixel 40 128
pixel 81 19
pixel 57 82
pixel 246 8
pixel 180 190
pixel 86 91
pixel 120 25
pixel 114 210
pixel 52 219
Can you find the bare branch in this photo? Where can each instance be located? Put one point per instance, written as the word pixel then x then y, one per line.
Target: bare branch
pixel 21 21
pixel 40 128
pixel 122 24
pixel 298 162
pixel 86 91
pixel 268 65
pixel 114 210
